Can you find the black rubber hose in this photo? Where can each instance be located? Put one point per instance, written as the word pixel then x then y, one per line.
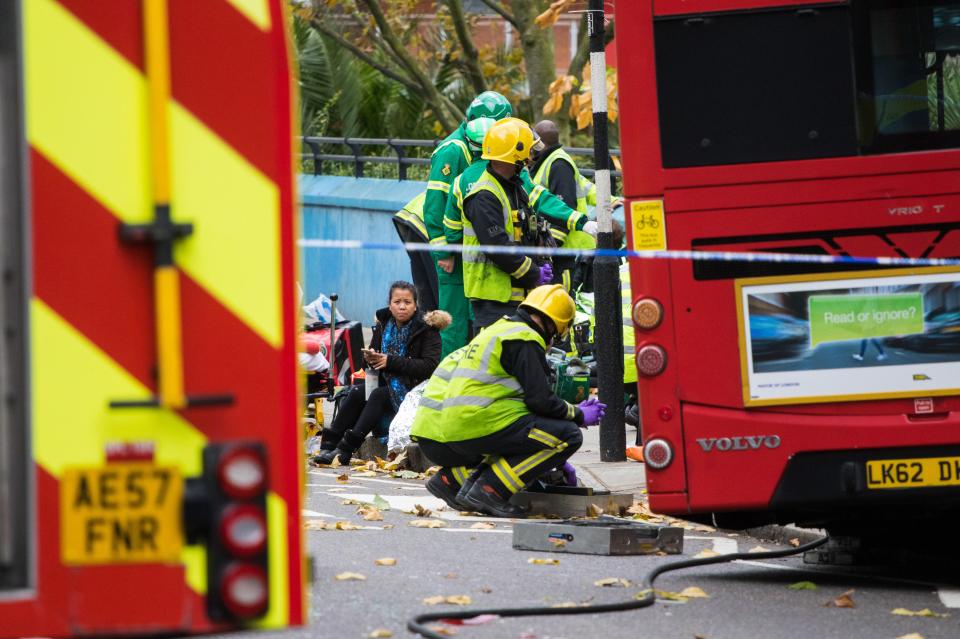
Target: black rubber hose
pixel 417 624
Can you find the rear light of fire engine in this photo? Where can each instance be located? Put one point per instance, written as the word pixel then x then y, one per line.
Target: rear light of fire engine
pixel 651 360
pixel 657 453
pixel 227 508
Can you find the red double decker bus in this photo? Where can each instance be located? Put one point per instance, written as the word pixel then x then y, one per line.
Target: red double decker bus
pixel 826 393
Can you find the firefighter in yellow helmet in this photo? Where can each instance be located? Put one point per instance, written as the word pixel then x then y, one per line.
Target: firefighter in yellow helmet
pixel 497 212
pixel 488 415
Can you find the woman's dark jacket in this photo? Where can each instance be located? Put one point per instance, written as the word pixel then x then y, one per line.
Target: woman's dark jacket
pixel 423 346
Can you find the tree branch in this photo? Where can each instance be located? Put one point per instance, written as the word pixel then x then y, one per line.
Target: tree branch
pixel 363 56
pixel 502 11
pixel 470 55
pixel 430 93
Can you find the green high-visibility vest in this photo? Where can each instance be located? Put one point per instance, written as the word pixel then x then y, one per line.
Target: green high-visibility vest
pixel 412 215
pixel 482 279
pixel 629 338
pixel 480 398
pixel 428 420
pixel 586 190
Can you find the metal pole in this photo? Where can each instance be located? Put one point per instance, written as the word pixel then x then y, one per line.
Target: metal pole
pixel 608 335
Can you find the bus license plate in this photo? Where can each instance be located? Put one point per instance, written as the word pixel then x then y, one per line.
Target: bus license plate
pixel 913 473
pixel 121 513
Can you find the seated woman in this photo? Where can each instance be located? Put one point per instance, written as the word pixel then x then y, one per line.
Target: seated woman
pixel 405 348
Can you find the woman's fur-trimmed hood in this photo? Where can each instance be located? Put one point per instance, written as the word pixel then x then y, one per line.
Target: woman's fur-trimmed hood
pixel 437 319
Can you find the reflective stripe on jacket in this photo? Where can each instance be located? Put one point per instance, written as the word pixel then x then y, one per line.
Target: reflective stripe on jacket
pixel 412 215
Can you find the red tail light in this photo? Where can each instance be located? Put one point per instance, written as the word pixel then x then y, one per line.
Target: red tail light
pixel 243 529
pixel 651 360
pixel 241 473
pixel 244 590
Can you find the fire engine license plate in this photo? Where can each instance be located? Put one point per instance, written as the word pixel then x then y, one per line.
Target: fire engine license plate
pixel 913 473
pixel 121 513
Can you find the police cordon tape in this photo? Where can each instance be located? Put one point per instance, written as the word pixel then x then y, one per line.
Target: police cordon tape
pixel 714 256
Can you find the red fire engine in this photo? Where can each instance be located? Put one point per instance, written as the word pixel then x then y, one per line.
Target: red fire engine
pixel 790 391
pixel 150 475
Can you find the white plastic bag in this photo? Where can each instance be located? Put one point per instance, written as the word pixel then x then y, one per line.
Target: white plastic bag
pixel 319 310
pixel 399 437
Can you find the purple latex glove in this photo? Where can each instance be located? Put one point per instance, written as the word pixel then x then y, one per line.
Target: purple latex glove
pixel 569 473
pixel 593 411
pixel 546 274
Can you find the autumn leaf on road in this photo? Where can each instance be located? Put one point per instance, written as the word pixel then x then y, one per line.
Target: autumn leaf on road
pixel 420 511
pixel 483 525
pixel 350 576
pixel 694 593
pixel 365 473
pixel 344 478
pixel 543 562
pixel 926 612
pixel 759 549
pixel 380 633
pixel 370 513
pixel 594 511
pixel 386 561
pixel 381 503
pixel 706 552
pixel 803 585
pixel 843 601
pixel 795 542
pixel 446 631
pixel 427 523
pixel 459 600
pixel 912 635
pixel 612 582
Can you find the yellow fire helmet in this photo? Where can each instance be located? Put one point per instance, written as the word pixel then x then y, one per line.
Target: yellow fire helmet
pixel 508 140
pixel 554 302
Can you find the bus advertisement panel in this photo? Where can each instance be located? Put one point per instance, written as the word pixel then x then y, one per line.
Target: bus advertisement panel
pixel 870 337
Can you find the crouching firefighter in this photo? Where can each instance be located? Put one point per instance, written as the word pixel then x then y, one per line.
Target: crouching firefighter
pixel 488 415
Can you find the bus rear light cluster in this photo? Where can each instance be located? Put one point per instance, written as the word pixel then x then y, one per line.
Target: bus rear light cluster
pixel 647 313
pixel 651 360
pixel 657 453
pixel 244 590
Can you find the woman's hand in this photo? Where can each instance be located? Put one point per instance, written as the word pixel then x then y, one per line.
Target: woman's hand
pixel 377 360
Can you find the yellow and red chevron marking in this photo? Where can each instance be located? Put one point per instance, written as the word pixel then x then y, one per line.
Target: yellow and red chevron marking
pixel 92 333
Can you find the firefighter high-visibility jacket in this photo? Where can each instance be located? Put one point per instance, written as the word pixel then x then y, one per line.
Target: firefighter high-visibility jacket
pixel 556 178
pixel 411 215
pixel 493 381
pixel 493 215
pixel 542 201
pixel 448 161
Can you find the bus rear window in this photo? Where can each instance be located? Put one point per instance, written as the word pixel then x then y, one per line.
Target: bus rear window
pixel 875 76
pixel 908 75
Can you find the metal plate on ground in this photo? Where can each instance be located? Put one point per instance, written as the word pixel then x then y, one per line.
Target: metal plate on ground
pixel 559 505
pixel 603 536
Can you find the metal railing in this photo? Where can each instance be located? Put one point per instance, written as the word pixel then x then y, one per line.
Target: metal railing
pixel 314 151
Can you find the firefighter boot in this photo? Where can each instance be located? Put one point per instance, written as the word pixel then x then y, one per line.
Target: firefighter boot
pixel 444 486
pixel 329 439
pixel 484 498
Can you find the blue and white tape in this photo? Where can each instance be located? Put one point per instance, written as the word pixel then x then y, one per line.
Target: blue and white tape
pixel 713 256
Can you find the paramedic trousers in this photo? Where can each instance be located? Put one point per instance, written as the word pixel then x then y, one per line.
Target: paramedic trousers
pixel 511 458
pixel 453 301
